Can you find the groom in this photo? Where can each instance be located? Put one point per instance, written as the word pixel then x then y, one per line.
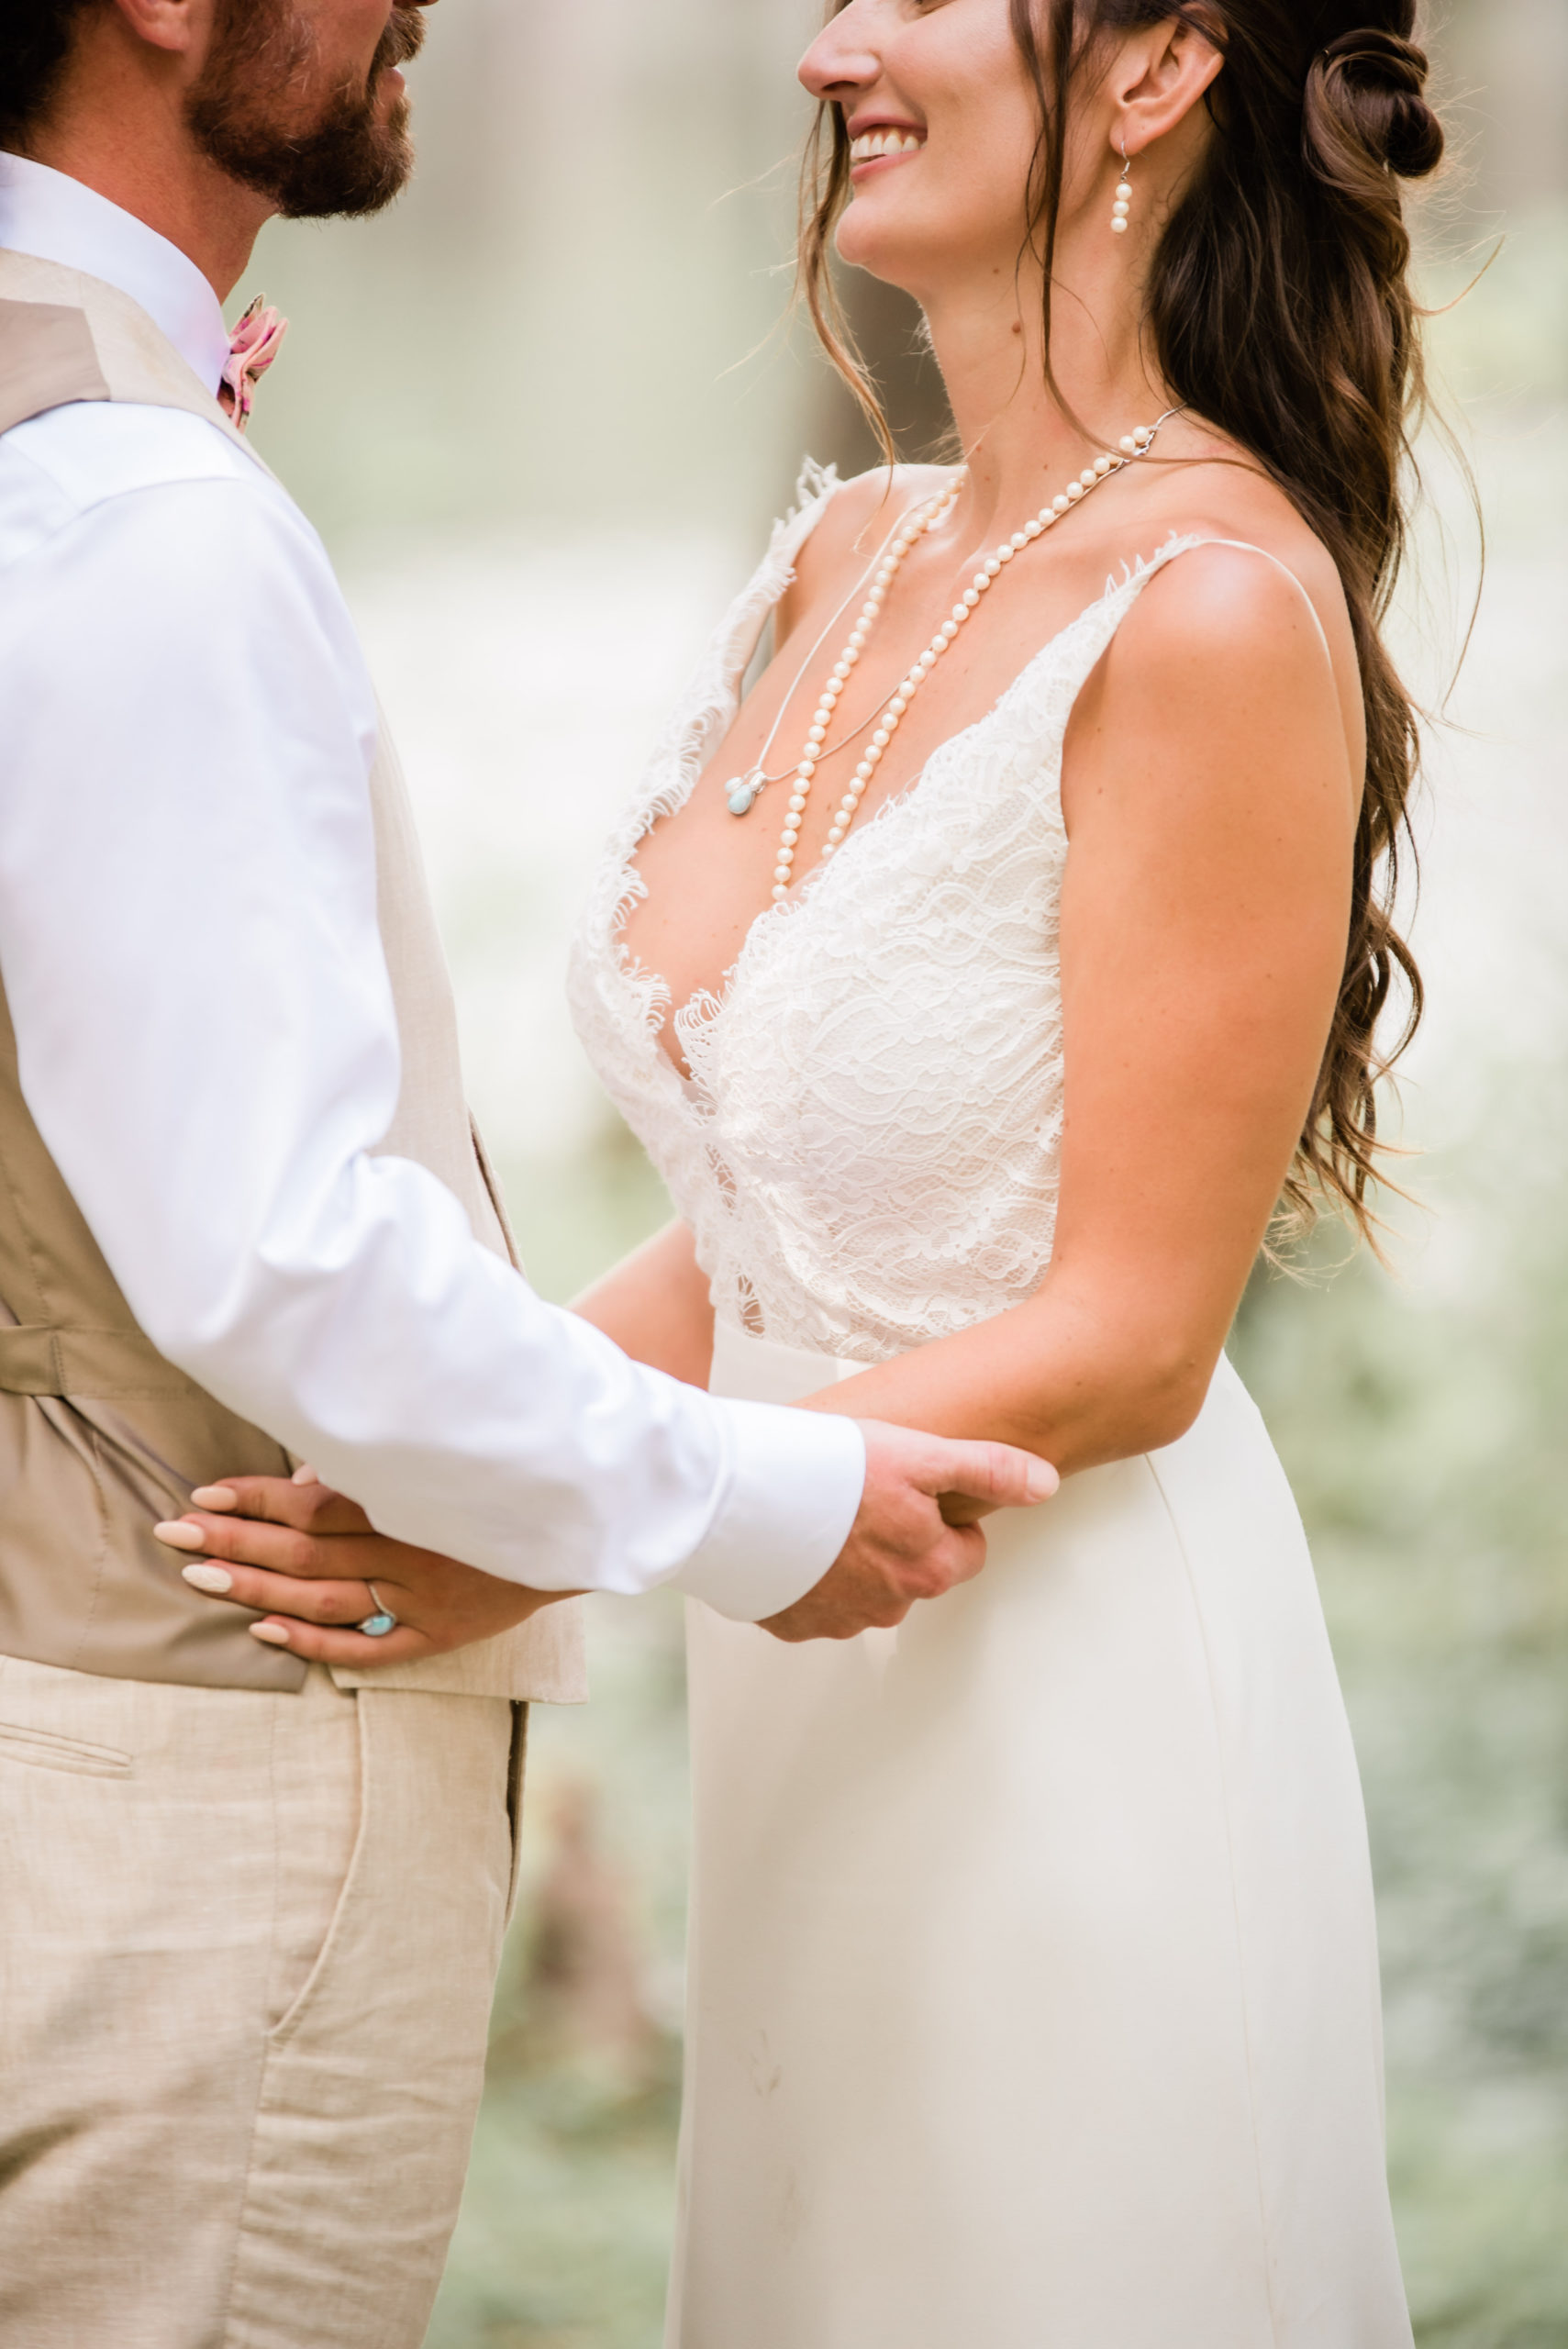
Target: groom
pixel 252 1910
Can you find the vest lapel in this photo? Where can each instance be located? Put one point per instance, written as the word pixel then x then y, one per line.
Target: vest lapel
pixel 66 337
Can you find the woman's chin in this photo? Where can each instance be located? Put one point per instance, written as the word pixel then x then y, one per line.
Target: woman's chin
pixel 883 248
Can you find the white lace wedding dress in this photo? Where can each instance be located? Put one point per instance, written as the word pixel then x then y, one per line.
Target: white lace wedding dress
pixel 1034 1997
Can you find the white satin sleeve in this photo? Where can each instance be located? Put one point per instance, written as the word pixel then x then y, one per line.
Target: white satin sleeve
pixel 189 951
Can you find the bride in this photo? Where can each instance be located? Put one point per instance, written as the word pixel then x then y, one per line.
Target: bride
pixel 981 983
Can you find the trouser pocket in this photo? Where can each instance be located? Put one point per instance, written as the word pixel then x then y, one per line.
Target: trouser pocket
pixel 42 1749
pixel 321 1812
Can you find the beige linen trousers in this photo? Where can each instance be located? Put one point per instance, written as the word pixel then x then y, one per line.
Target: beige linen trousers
pixel 247 1942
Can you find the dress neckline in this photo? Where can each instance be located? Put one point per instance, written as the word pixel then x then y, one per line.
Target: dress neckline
pixel 693 735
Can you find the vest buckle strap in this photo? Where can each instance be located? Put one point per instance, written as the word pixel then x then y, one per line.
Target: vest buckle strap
pixel 85 1365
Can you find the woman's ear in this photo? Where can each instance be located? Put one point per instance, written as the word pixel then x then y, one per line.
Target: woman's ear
pixel 1165 78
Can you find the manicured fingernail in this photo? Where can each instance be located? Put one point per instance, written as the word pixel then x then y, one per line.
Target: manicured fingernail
pixel 216 1579
pixel 272 1634
pixel 180 1536
pixel 305 1475
pixel 1043 1482
pixel 219 1497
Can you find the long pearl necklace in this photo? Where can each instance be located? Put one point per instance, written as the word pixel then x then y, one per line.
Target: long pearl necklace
pixel 925 520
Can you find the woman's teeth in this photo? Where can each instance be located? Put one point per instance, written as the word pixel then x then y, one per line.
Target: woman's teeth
pixel 871 143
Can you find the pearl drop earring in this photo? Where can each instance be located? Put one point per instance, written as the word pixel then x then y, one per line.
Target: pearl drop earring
pixel 1123 198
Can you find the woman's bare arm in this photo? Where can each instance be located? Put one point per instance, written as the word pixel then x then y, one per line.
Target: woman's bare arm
pixel 1211 809
pixel 655 1305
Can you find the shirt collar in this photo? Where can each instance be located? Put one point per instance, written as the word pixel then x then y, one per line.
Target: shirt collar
pixel 52 218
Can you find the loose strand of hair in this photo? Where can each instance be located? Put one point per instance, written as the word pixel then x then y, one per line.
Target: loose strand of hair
pixel 823 197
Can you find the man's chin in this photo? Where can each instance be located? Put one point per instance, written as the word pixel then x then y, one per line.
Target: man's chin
pixel 382 169
pixel 351 166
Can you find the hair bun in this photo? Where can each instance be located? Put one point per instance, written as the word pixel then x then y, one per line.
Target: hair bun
pixel 1372 83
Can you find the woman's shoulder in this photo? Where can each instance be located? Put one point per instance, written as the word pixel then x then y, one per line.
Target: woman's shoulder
pixel 1248 556
pixel 860 513
pixel 1244 604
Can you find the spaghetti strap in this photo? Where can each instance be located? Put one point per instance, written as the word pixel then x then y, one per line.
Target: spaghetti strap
pixel 1245 546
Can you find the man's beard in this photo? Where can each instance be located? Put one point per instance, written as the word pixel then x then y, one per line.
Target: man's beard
pixel 349 157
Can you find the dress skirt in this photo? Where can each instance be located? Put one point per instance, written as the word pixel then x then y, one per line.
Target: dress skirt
pixel 1033 1978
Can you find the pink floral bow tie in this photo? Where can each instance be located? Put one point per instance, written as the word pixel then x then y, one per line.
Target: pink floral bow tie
pixel 252 348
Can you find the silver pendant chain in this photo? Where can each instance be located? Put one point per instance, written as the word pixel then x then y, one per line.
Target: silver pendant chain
pixel 743 791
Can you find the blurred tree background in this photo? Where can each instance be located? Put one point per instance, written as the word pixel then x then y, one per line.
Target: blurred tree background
pixel 543 414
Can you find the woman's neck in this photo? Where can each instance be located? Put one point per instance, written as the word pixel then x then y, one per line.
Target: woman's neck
pixel 1022 443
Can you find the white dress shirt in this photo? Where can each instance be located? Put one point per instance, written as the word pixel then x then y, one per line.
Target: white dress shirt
pixel 189 951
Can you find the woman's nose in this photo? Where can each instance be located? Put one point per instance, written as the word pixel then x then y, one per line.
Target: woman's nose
pixel 839 64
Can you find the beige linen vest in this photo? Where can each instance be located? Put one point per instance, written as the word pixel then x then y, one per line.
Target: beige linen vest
pixel 100 1435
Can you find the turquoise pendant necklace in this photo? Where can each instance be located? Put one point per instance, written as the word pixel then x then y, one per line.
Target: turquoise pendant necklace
pixel 742 792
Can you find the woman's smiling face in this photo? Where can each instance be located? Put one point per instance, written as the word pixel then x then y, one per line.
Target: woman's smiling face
pixel 944 124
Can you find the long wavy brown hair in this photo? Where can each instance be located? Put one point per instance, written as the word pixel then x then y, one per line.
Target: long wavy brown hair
pixel 1280 309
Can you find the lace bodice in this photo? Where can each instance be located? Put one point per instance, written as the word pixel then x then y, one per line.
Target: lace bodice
pixel 867 1146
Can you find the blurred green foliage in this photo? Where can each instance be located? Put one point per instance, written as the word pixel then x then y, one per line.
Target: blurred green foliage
pixel 1423 1429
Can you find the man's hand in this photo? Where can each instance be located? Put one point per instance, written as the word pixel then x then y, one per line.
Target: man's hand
pixel 917 1534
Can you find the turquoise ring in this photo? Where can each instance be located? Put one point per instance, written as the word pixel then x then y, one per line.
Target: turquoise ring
pixel 376 1626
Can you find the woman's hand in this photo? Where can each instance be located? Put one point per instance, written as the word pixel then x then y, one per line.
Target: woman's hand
pixel 306 1558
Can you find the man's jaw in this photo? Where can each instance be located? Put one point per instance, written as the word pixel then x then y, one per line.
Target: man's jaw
pixel 351 157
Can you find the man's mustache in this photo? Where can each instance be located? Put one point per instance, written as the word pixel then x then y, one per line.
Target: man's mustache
pixel 403 39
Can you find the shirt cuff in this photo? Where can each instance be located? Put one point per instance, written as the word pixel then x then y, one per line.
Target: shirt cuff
pixel 795 1484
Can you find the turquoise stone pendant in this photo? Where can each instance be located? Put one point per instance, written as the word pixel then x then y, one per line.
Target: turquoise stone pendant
pixel 744 793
